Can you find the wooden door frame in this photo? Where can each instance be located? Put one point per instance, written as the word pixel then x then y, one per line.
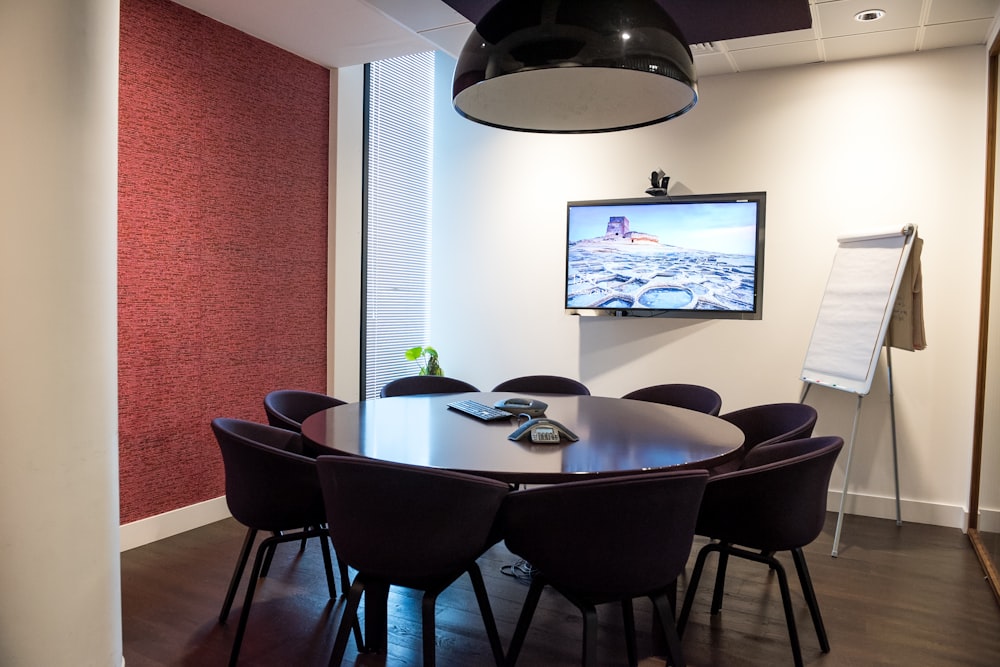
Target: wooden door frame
pixel 989 566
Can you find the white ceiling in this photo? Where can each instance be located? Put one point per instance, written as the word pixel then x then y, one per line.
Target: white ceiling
pixel 340 33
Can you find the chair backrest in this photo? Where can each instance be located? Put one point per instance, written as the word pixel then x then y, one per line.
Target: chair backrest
pixel 778 502
pixel 616 537
pixel 407 524
pixel 269 486
pixel 773 422
pixel 413 385
pixel 288 408
pixel 690 396
pixel 544 384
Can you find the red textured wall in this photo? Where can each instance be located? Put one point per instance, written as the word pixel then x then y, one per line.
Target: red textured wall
pixel 222 257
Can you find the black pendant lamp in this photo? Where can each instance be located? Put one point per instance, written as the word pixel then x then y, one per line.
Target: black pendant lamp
pixel 574 66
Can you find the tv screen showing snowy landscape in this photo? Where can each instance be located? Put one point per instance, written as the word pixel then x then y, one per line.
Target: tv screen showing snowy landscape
pixel 689 256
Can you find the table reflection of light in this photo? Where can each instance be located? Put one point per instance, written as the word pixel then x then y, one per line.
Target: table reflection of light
pixel 400 435
pixel 614 435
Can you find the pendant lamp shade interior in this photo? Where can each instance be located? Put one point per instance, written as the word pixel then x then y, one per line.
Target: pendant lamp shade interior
pixel 574 66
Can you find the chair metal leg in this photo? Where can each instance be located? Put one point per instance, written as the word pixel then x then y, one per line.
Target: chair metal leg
pixel 331 585
pixel 589 635
pixel 675 656
pixel 256 573
pixel 775 566
pixel 348 622
pixel 658 643
pixel 269 557
pixel 589 613
pixel 234 582
pixel 692 587
pixel 428 628
pixel 345 576
pixel 786 601
pixel 524 620
pixel 628 621
pixel 376 615
pixel 479 586
pixel 810 595
pixel 720 581
pixel 672 596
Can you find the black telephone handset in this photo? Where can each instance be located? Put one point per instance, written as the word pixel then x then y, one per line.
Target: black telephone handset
pixel 522 406
pixel 543 431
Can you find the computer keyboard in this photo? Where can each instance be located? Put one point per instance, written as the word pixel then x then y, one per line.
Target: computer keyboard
pixel 479 410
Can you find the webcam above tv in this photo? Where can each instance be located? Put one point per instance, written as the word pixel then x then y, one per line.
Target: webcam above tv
pixel 690 256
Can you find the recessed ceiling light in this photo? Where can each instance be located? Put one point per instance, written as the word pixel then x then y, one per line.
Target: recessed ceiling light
pixel 869 15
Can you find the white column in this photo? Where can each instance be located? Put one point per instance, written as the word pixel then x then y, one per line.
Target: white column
pixel 347 89
pixel 59 563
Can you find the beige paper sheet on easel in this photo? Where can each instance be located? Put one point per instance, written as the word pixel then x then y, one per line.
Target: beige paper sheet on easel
pixel 906 328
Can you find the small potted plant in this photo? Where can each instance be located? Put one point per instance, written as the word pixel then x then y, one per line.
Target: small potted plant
pixel 427 357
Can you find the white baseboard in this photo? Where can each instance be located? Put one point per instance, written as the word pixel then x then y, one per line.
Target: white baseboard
pixel 989 520
pixel 164 525
pixel 911 511
pixel 170 523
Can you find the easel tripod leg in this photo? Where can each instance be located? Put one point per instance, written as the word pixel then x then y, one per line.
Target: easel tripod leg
pixel 847 477
pixel 892 419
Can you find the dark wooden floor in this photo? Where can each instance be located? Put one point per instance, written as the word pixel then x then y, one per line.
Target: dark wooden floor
pixel 911 595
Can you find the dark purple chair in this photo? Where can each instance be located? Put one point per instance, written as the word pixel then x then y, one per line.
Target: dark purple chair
pixel 544 384
pixel 690 396
pixel 288 408
pixel 272 487
pixel 764 424
pixel 409 526
pixel 606 540
pixel 777 502
pixel 413 385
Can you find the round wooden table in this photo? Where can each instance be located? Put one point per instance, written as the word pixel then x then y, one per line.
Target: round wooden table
pixel 616 436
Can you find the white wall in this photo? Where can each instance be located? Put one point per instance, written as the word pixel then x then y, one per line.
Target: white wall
pixel 60 583
pixel 344 234
pixel 838 147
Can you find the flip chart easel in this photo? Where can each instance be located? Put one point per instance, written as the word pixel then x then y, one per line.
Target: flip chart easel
pixel 851 326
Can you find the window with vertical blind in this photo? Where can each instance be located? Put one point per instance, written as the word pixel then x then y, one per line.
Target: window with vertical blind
pixel 399 110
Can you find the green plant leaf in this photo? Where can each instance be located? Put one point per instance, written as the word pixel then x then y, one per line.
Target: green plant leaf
pixel 433 367
pixel 427 357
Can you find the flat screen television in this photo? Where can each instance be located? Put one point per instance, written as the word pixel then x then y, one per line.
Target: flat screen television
pixel 693 256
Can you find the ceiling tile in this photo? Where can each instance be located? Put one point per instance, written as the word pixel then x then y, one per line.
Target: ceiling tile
pixel 781 55
pixel 955 34
pixel 333 33
pixel 770 40
pixel 836 19
pixel 449 39
pixel 743 34
pixel 871 45
pixel 949 11
pixel 712 64
pixel 419 15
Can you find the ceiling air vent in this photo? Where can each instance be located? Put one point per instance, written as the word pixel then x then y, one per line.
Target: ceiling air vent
pixel 704 48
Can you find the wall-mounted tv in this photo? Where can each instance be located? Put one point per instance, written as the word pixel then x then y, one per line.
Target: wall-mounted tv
pixel 694 256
